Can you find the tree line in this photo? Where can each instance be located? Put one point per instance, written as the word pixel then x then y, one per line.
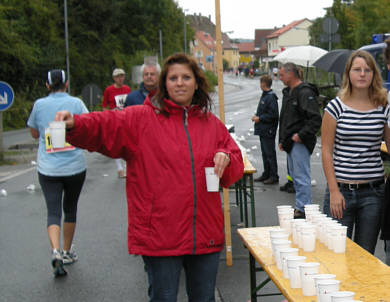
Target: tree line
pixel 358 21
pixel 103 34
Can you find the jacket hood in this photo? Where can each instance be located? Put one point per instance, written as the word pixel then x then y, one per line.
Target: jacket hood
pixel 303 85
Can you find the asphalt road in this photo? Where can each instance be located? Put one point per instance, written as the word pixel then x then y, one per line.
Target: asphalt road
pixel 105 271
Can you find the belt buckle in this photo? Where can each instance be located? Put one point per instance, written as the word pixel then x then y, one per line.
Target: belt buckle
pixel 352 188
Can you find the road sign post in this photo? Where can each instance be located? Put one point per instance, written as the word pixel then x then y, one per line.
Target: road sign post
pixel 6 101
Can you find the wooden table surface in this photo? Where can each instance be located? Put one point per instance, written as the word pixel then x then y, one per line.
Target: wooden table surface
pixel 358 270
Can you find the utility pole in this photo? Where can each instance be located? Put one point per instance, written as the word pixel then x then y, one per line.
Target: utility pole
pixel 67 42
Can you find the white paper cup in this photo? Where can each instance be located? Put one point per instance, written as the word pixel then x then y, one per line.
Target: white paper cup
pixel 278 236
pixel 57 133
pixel 325 288
pixel 319 277
pixel 212 180
pixel 275 231
pixel 343 296
pixel 338 239
pixel 303 227
pixel 289 251
pixel 294 224
pixel 308 240
pixel 278 245
pixel 307 271
pixel 293 270
pixel 285 216
pixel 284 254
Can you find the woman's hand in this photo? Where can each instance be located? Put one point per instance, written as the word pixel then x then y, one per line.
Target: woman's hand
pixel 221 161
pixel 337 204
pixel 65 116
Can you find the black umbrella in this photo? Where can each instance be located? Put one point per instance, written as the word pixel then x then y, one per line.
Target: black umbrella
pixel 334 60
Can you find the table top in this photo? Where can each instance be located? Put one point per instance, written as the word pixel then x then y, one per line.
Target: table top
pixel 358 270
pixel 248 167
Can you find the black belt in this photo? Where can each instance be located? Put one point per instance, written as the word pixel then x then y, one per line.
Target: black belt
pixel 353 187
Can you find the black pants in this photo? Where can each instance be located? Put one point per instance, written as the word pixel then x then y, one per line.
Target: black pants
pixel 61 192
pixel 268 152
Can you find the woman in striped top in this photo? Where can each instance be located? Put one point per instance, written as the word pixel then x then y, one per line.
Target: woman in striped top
pixel 353 126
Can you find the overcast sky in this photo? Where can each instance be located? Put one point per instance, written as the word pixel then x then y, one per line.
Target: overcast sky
pixel 244 16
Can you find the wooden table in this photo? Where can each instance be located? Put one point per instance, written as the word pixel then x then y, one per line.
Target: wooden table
pixel 244 189
pixel 358 270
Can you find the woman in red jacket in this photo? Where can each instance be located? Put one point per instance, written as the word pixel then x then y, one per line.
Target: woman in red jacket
pixel 173 221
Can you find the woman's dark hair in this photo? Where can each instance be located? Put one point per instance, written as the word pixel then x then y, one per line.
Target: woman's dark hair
pixel 56 79
pixel 387 51
pixel 201 96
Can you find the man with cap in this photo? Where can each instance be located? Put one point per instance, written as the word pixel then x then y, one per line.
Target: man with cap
pixel 150 75
pixel 114 98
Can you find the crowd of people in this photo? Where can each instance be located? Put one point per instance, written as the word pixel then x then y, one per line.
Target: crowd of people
pixel 167 135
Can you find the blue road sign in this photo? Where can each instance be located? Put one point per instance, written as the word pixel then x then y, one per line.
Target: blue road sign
pixel 6 96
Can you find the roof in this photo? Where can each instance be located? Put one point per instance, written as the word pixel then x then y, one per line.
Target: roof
pixel 226 43
pixel 284 29
pixel 246 47
pixel 206 38
pixel 260 36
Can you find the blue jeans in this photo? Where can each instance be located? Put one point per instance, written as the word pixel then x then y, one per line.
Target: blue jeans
pixel 164 275
pixel 363 210
pixel 298 161
pixel 268 153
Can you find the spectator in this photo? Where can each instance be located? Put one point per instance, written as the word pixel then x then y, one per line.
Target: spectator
pixel 300 121
pixel 266 124
pixel 62 173
pixel 352 130
pixel 385 233
pixel 114 98
pixel 174 222
pixel 150 74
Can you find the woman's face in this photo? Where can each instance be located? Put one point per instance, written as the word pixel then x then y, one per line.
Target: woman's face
pixel 181 84
pixel 360 74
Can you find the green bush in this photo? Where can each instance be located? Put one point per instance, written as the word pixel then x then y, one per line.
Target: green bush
pixel 212 79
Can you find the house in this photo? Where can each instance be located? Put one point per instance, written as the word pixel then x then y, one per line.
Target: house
pixel 247 52
pixel 261 50
pixel 230 52
pixel 204 50
pixel 294 34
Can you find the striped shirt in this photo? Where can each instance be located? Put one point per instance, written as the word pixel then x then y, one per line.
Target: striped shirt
pixel 356 150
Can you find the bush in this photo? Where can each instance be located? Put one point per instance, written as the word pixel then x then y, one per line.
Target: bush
pixel 212 79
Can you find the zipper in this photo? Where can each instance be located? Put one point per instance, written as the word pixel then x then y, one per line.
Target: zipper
pixel 185 124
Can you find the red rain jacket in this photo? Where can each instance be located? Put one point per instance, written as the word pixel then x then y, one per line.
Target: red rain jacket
pixel 170 212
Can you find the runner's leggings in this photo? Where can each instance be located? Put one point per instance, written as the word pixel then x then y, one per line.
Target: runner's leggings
pixel 61 191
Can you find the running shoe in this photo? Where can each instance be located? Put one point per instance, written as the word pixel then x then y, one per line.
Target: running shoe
pixel 70 256
pixel 57 263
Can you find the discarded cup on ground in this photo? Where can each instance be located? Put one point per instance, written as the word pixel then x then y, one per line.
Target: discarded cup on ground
pixel 342 296
pixel 212 180
pixel 57 134
pixel 293 270
pixel 284 253
pixel 307 271
pixel 325 288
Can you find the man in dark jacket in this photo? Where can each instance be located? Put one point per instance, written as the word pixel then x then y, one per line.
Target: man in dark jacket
pixel 150 75
pixel 300 121
pixel 266 123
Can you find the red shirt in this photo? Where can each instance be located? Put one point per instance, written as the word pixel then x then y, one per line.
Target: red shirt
pixel 115 97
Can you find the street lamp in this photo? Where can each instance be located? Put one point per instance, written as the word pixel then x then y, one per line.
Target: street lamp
pixel 185 31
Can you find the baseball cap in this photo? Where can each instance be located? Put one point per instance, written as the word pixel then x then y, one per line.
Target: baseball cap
pixel 56 76
pixel 118 71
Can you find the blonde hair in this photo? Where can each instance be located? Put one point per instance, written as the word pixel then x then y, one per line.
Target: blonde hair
pixel 376 93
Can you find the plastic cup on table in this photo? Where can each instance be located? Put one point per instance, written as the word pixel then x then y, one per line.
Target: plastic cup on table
pixel 303 227
pixel 278 245
pixel 339 239
pixel 294 224
pixel 276 230
pixel 325 288
pixel 284 217
pixel 284 254
pixel 277 236
pixel 212 180
pixel 342 296
pixel 307 271
pixel 290 252
pixel 308 240
pixel 319 277
pixel 293 263
pixel 57 134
